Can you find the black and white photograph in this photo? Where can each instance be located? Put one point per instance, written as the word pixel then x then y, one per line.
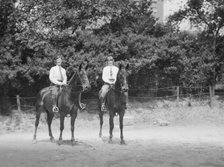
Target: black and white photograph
pixel 111 83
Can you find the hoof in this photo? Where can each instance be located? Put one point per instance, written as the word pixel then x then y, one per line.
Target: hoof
pixel 73 142
pixel 52 139
pixel 34 141
pixel 60 142
pixel 110 141
pixel 122 142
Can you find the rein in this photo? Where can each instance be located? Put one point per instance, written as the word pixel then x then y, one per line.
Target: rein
pixel 69 82
pixel 71 78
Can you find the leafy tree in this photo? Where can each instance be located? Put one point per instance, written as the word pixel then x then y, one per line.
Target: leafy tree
pixel 208 14
pixel 91 29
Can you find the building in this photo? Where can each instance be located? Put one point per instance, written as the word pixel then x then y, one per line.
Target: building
pixel 158 9
pixel 164 8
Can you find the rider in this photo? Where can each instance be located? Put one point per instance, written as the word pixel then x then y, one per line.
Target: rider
pixel 109 77
pixel 58 78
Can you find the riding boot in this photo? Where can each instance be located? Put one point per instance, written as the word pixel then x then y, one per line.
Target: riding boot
pixel 102 102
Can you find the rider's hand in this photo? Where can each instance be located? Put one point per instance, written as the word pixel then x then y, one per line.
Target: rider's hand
pixel 63 84
pixel 111 79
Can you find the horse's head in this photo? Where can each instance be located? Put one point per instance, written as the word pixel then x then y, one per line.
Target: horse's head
pixel 84 81
pixel 80 79
pixel 122 78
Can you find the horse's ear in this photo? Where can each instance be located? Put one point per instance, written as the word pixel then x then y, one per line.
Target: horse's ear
pixel 87 66
pixel 123 66
pixel 127 66
pixel 80 66
pixel 120 66
pixel 87 63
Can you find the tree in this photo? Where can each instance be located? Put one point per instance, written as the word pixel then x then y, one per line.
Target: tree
pixel 78 30
pixel 208 14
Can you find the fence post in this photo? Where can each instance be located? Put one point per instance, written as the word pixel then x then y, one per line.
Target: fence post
pixel 127 100
pixel 178 95
pixel 211 93
pixel 18 103
pixel 200 93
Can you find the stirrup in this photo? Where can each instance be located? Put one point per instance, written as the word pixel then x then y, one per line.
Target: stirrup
pixel 83 106
pixel 55 109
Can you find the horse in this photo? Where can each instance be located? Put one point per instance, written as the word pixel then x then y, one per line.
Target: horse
pixel 68 102
pixel 115 102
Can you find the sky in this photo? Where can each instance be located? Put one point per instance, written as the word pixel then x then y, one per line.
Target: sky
pixel 171 6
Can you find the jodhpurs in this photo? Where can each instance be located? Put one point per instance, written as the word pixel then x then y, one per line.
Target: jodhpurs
pixel 54 92
pixel 103 92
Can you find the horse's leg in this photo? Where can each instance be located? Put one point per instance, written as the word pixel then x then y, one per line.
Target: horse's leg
pixel 38 113
pixel 50 116
pixel 111 121
pixel 101 123
pixel 121 116
pixel 73 118
pixel 62 118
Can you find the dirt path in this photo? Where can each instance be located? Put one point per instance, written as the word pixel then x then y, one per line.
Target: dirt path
pixel 147 146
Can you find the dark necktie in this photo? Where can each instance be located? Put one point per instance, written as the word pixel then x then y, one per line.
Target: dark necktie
pixel 61 73
pixel 111 72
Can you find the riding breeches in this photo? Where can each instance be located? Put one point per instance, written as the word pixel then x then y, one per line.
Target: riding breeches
pixel 54 92
pixel 103 92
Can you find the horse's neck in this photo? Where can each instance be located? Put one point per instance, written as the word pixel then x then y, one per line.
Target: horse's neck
pixel 117 87
pixel 113 97
pixel 114 92
pixel 69 95
pixel 73 83
pixel 75 89
pixel 112 86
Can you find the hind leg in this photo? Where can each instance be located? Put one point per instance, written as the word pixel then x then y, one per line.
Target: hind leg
pixel 50 116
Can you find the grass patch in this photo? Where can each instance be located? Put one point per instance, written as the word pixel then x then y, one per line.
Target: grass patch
pixel 147 112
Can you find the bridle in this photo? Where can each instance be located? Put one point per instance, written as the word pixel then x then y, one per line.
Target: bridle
pixel 121 85
pixel 69 82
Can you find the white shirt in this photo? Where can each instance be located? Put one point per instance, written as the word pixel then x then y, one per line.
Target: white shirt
pixel 110 74
pixel 58 77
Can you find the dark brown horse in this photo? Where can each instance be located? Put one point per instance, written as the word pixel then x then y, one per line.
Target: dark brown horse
pixel 115 103
pixel 68 102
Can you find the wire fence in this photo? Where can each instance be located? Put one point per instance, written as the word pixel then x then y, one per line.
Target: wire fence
pixel 174 93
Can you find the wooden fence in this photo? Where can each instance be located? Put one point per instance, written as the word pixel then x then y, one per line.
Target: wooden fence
pixel 178 93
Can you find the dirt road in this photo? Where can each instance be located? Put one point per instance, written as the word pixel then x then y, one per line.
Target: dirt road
pixel 146 146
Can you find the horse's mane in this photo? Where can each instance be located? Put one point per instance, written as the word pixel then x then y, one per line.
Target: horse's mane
pixel 117 84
